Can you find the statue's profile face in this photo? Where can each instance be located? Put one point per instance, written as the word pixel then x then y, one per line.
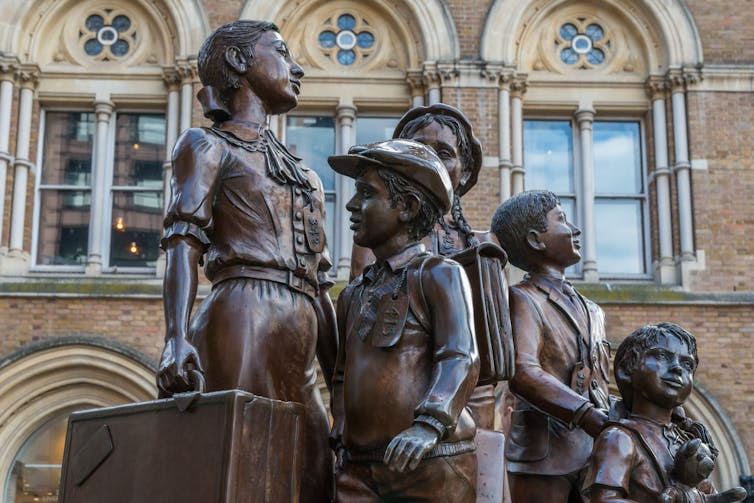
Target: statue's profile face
pixel 561 240
pixel 273 75
pixel 374 219
pixel 443 141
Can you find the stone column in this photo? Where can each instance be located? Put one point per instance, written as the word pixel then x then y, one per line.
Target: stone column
pixel 665 267
pixel 505 162
pixel 585 120
pixel 682 166
pixel 187 71
pixel 103 111
pixel 416 83
pixel 345 116
pixel 28 78
pixel 172 82
pixel 8 69
pixel 432 82
pixel 517 90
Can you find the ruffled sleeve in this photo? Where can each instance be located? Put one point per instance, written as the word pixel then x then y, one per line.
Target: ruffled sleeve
pixel 197 158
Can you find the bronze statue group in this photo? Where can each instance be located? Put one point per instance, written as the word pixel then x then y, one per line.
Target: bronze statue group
pixel 401 356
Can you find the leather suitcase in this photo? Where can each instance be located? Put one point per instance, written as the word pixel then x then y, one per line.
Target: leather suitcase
pixel 222 447
pixel 484 265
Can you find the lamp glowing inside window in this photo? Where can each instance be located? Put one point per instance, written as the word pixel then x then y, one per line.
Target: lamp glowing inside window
pixel 347 39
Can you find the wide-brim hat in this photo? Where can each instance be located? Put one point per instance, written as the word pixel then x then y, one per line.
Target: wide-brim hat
pixel 410 159
pixel 474 144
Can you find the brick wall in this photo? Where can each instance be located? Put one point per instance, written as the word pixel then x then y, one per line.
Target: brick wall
pixel 726 28
pixel 720 130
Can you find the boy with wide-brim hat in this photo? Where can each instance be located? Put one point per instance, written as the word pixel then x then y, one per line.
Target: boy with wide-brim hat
pixel 407 360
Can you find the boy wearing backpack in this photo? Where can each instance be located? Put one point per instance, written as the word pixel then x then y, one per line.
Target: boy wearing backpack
pixel 407 359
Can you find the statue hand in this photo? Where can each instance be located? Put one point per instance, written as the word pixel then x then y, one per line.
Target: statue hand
pixel 409 447
pixel 594 421
pixel 179 359
pixel 693 462
pixel 729 496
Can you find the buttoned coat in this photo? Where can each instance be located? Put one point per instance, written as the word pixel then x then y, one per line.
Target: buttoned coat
pixel 562 360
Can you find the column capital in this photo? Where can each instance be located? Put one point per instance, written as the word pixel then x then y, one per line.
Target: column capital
pixel 498 74
pixel 345 113
pixel 103 110
pixel 657 87
pixel 172 77
pixel 680 78
pixel 447 72
pixel 415 80
pixel 518 85
pixel 584 116
pixel 430 75
pixel 187 70
pixel 9 66
pixel 27 76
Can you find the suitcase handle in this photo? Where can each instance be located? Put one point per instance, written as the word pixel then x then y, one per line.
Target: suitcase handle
pixel 197 380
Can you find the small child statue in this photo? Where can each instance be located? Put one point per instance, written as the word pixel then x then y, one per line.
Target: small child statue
pixel 654 455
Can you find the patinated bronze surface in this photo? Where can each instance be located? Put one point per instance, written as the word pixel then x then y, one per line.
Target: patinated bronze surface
pixel 561 354
pixel 253 215
pixel 654 455
pixel 407 360
pixel 450 134
pixel 193 448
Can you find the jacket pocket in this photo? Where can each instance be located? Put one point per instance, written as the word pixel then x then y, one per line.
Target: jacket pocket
pixel 529 436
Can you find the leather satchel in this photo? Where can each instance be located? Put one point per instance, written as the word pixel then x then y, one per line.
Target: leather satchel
pixel 484 266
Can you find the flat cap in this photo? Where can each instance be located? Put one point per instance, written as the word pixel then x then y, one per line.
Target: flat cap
pixel 475 146
pixel 410 159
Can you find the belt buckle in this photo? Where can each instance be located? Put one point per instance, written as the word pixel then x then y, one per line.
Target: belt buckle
pixel 296 282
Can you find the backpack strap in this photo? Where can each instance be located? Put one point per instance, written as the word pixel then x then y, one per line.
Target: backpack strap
pixel 414 283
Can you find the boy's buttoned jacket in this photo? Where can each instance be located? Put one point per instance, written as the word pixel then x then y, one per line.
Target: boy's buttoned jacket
pixel 562 360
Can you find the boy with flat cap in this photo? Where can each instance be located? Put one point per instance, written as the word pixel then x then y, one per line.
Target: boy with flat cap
pixel 407 360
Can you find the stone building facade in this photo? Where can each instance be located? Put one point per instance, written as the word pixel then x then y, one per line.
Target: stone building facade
pixel 638 113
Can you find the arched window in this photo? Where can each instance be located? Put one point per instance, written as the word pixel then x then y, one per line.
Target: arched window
pixel 39 387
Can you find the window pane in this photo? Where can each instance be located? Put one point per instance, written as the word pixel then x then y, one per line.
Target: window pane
pixel 313 140
pixel 617 158
pixel 548 155
pixel 620 239
pixel 568 204
pixel 374 129
pixel 63 227
pixel 136 227
pixel 139 150
pixel 37 466
pixel 67 155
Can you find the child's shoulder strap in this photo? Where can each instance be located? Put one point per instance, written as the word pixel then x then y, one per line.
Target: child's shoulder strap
pixel 414 284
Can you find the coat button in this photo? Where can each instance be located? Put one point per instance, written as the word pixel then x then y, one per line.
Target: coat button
pixel 298 215
pixel 300 239
pixel 594 384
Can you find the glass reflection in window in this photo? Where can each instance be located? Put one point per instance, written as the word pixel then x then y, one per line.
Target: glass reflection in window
pixel 36 469
pixel 548 155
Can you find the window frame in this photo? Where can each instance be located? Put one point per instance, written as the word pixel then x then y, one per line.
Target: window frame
pixel 604 114
pixel 106 218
